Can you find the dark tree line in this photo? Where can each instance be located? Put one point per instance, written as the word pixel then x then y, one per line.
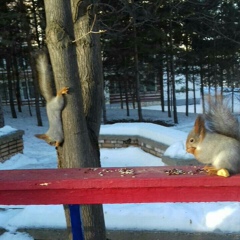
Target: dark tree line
pixel 146 44
pixel 21 26
pixel 152 42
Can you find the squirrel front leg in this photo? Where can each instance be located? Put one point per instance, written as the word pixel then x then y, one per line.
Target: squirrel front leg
pixel 63 91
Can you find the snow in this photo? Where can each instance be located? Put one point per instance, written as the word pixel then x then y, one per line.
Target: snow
pixel 128 157
pixel 173 138
pixel 6 130
pixel 15 236
pixel 177 150
pixel 149 130
pixel 191 217
pixel 200 217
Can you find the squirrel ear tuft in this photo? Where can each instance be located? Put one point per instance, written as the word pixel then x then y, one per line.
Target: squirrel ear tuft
pixel 199 126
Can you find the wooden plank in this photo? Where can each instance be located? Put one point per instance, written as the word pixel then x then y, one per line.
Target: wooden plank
pixel 114 185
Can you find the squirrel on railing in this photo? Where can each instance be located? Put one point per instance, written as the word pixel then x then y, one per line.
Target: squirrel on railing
pixel 215 139
pixel 54 104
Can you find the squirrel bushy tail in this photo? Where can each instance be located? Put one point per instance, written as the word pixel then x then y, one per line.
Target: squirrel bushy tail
pixel 45 75
pixel 54 101
pixel 219 118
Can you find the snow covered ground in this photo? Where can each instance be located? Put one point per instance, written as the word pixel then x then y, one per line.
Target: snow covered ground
pixel 206 217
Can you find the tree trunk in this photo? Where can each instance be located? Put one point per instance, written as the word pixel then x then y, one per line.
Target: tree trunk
pixel 26 28
pixel 26 78
pixel 104 110
pixel 161 82
pixel 168 87
pixel 82 114
pixel 16 75
pixel 187 77
pixel 136 61
pixel 172 70
pixel 202 84
pixel 36 90
pixel 91 80
pixel 126 95
pixel 10 86
pixel 194 89
pixel 120 93
pixel 1 114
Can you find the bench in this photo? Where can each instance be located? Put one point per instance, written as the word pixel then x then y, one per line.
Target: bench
pixel 114 185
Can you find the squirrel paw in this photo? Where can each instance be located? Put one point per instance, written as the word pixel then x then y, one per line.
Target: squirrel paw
pixel 57 144
pixel 219 172
pixel 210 170
pixel 63 91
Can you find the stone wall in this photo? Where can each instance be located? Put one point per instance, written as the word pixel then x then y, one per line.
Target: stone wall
pixel 150 146
pixel 11 144
pixel 119 141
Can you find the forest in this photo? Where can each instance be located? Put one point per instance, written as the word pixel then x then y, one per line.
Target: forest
pixel 134 50
pixel 145 46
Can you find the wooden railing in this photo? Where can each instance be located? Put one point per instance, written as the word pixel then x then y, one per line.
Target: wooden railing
pixel 115 185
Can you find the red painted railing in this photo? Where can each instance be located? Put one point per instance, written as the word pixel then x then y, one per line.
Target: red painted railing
pixel 115 185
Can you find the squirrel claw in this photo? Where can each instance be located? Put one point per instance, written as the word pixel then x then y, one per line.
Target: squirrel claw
pixel 210 170
pixel 219 172
pixel 63 91
pixel 57 144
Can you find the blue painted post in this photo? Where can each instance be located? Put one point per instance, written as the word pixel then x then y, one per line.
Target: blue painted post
pixel 76 222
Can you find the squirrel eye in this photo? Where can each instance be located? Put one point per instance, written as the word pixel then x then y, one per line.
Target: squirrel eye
pixel 191 140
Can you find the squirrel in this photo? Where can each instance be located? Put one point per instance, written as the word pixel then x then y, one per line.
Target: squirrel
pixel 54 104
pixel 215 139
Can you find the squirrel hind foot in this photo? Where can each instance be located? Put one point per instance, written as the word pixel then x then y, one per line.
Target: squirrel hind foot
pixel 218 172
pixel 63 91
pixel 57 144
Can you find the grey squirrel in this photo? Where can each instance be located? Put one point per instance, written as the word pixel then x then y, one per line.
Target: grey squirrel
pixel 54 104
pixel 215 139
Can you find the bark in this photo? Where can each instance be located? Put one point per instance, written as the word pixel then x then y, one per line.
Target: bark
pixel 194 89
pixel 202 84
pixel 161 82
pixel 82 113
pixel 59 33
pixel 120 93
pixel 172 70
pixel 1 114
pixel 104 111
pixel 10 86
pixel 168 88
pixel 16 75
pixel 91 80
pixel 136 61
pixel 187 77
pixel 126 96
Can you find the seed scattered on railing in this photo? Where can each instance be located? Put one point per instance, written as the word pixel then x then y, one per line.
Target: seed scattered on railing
pixel 176 171
pixel 125 171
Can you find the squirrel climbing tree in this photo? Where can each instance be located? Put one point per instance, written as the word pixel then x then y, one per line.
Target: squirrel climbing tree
pixel 76 63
